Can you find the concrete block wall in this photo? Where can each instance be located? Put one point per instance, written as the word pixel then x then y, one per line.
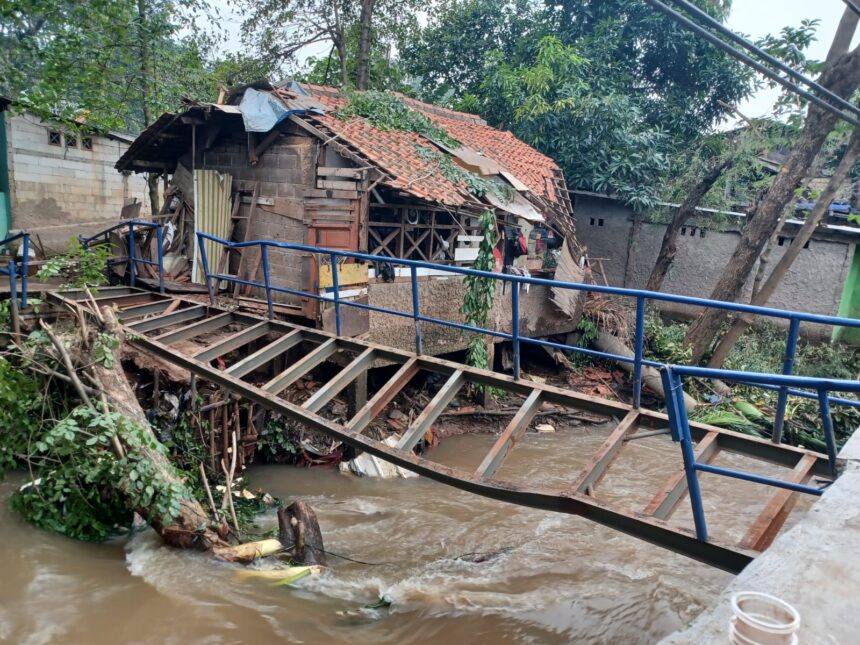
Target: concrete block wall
pixel 442 298
pixel 813 284
pixel 61 192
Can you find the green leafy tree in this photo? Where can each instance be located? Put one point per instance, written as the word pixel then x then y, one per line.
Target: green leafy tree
pixel 598 135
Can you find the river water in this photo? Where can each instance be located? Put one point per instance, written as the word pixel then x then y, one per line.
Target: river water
pixel 547 578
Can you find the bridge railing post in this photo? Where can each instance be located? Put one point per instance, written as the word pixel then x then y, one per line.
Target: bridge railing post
pixel 638 350
pixel 132 260
pixel 267 280
pixel 336 286
pixel 416 310
pixel 515 327
pixel 25 269
pixel 679 424
pixel 13 280
pixel 827 423
pixel 787 367
pixel 207 277
pixel 159 239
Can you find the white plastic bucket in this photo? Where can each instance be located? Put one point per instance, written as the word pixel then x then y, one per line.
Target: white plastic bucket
pixel 762 619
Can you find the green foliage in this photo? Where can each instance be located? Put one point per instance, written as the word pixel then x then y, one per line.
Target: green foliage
pixel 103 349
pixel 614 149
pixel 76 491
pixel 273 444
pixel 81 267
pixel 474 183
pixel 588 331
pixel 387 111
pixel 480 292
pixel 20 404
pixel 665 341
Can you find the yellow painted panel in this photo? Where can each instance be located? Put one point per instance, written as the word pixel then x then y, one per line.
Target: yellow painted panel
pixel 347 274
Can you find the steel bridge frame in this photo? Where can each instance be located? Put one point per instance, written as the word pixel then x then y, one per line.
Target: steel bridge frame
pixel 154 322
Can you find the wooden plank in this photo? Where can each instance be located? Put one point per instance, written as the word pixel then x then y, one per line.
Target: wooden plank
pixel 327 392
pixel 347 274
pixel 383 397
pixel 266 353
pixel 234 341
pixel 432 411
pixel 183 315
pixel 591 476
pixel 767 525
pixel 663 504
pixel 328 171
pixel 301 367
pixel 335 185
pixel 510 436
pixel 195 329
pixel 331 194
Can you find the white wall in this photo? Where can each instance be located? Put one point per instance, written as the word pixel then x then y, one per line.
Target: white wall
pixel 59 192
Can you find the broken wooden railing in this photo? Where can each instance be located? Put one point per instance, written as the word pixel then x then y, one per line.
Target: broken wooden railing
pixel 516 338
pixel 679 425
pixel 103 237
pixel 14 271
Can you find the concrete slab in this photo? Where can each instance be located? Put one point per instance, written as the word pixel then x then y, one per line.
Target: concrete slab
pixel 814 566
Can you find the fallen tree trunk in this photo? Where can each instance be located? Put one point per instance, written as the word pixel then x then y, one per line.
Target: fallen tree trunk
pixel 299 529
pixel 191 527
pixel 610 344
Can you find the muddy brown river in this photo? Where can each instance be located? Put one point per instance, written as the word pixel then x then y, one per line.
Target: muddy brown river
pixel 546 578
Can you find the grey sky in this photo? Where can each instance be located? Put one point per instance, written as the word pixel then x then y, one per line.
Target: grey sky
pixel 754 18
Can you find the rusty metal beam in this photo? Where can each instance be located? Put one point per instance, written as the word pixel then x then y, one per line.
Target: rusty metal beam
pixel 195 329
pixel 327 392
pixel 383 397
pixel 730 558
pixel 510 436
pixel 663 504
pixel 158 322
pixel 432 411
pixel 266 353
pixel 771 519
pixel 301 367
pixel 234 341
pixel 591 476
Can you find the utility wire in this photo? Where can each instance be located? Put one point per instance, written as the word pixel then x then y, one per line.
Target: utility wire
pixel 689 24
pixel 757 51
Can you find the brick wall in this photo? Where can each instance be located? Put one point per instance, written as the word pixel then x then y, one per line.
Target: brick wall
pixel 61 192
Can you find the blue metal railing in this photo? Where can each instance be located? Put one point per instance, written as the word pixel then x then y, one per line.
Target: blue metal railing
pixel 516 338
pixel 132 259
pixel 12 269
pixel 679 425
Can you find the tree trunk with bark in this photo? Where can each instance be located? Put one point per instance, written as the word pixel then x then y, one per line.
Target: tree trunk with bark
pixel 191 528
pixel 819 212
pixel 842 78
pixel 685 211
pixel 365 26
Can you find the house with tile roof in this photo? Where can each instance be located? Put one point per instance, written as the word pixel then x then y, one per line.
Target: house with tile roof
pixel 294 167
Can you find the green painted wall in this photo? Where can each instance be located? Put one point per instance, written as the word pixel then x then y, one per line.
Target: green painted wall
pixel 849 304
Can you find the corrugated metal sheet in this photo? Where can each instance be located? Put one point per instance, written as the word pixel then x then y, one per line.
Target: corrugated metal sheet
pixel 211 215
